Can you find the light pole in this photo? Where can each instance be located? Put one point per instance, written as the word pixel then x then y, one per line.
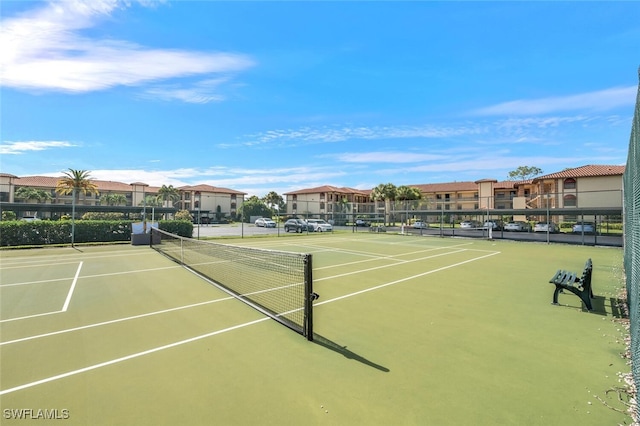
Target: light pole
pixel 548 221
pixel 73 216
pixel 198 211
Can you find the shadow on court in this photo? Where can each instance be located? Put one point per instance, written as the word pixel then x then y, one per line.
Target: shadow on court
pixel 600 306
pixel 322 341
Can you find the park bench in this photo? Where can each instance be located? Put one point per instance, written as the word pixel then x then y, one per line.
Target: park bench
pixel 580 286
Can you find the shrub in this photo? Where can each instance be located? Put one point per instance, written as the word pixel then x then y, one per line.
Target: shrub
pixel 103 216
pixel 8 215
pixel 184 228
pixel 43 232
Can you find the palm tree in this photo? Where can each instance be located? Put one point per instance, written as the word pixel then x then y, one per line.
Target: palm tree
pixel 385 192
pixel 26 193
pixel 168 194
pixel 272 199
pixel 151 201
pixel 408 193
pixel 113 200
pixel 73 182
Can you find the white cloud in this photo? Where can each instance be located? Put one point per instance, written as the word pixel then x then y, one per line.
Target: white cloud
pixel 601 100
pixel 311 135
pixel 387 157
pixel 199 93
pixel 13 148
pixel 43 49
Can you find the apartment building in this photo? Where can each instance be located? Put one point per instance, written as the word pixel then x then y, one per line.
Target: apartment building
pixel 205 200
pixel 590 186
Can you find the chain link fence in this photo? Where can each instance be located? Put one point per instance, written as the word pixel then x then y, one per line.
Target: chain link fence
pixel 631 210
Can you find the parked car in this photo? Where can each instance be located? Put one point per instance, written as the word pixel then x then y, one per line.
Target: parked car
pixel 362 222
pixel 496 225
pixel 319 225
pixel 264 222
pixel 295 225
pixel 545 227
pixel 584 227
pixel 30 218
pixel 420 225
pixel 518 226
pixel 469 224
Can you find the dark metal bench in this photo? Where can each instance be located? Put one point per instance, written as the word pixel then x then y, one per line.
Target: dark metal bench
pixel 580 286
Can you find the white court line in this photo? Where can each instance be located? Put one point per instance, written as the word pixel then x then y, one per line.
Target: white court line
pixel 17 262
pixel 115 321
pixel 137 271
pixel 73 287
pixel 66 302
pixel 29 316
pixel 39 265
pixel 404 279
pixel 390 257
pixel 203 336
pixel 128 357
pixel 390 265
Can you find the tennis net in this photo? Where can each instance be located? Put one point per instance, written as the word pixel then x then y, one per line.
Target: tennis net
pixel 277 283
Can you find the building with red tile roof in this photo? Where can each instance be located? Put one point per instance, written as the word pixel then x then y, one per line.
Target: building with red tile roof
pixel 585 186
pixel 206 200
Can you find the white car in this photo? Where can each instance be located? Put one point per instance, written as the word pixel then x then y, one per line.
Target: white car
pixel 320 225
pixel 267 223
pixel 518 226
pixel 546 227
pixel 469 224
pixel 493 224
pixel 420 225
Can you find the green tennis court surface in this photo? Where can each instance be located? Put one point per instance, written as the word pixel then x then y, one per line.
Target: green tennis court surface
pixel 408 331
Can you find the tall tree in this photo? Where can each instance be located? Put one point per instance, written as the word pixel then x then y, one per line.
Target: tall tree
pixel 524 173
pixel 407 193
pixel 385 192
pixel 273 199
pixel 113 200
pixel 168 193
pixel 26 193
pixel 73 182
pixel 151 201
pixel 253 206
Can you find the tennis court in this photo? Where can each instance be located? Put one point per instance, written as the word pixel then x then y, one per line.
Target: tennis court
pixel 407 331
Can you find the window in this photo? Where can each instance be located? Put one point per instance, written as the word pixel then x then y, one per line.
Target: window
pixel 569 183
pixel 570 201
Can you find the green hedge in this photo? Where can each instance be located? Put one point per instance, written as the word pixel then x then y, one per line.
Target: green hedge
pixel 44 232
pixel 184 228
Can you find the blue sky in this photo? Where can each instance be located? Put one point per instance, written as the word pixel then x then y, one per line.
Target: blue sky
pixel 279 96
